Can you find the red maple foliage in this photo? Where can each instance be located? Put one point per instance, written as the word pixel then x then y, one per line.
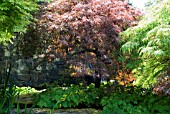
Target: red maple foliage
pixel 85 33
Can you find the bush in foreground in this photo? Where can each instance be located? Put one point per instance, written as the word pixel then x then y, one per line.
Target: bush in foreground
pixel 116 99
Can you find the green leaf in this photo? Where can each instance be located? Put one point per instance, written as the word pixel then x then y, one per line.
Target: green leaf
pixel 65 104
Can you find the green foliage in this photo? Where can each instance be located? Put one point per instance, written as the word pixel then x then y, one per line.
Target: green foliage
pixel 135 101
pixel 69 97
pixel 25 90
pixel 111 98
pixel 148 44
pixel 15 15
pixel 7 91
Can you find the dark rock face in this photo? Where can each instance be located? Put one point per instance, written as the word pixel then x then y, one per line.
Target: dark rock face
pixel 36 72
pixel 2 52
pixel 26 71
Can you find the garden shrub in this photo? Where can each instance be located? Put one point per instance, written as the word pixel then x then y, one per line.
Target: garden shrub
pixel 135 100
pixel 84 33
pixel 109 98
pixel 69 97
pixel 147 46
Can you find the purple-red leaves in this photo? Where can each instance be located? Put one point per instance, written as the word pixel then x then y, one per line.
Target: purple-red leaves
pixel 86 30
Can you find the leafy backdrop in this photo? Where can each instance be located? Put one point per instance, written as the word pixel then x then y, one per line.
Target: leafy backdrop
pixel 148 45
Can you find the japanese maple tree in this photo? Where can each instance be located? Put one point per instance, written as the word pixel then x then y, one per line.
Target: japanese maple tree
pixel 85 33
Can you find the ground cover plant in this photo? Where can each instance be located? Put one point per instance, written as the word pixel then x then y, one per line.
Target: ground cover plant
pixel 116 99
pixel 69 97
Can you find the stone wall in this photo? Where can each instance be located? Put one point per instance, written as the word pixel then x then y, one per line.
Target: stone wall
pixel 26 71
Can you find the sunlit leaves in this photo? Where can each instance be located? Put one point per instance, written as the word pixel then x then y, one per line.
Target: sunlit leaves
pixel 149 41
pixel 15 15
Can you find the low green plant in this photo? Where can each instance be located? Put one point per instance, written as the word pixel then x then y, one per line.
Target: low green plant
pixel 69 97
pixel 113 99
pixel 20 99
pixel 7 90
pixel 135 101
pixel 25 90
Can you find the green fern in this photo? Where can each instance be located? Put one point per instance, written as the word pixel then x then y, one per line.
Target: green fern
pixel 149 43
